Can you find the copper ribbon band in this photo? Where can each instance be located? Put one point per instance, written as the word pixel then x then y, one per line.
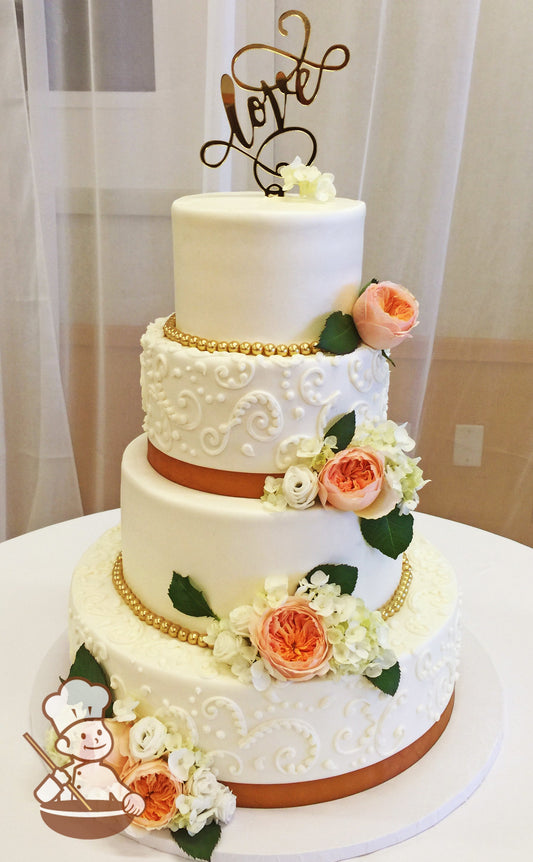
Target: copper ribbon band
pixel 224 482
pixel 339 786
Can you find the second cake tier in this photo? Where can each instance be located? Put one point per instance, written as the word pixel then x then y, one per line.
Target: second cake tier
pixel 228 546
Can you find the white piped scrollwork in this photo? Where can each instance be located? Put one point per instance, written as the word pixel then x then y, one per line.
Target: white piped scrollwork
pixel 258 412
pixel 235 375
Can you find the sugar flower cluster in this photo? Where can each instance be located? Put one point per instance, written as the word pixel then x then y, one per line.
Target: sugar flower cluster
pixel 318 630
pixel 151 757
pixel 370 477
pixel 312 183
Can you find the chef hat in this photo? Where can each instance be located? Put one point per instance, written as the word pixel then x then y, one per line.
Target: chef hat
pixel 75 699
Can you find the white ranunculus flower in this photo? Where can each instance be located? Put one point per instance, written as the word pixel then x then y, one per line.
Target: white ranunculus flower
pixel 225 805
pixel 180 763
pixel 240 619
pixel 204 786
pixel 300 487
pixel 147 738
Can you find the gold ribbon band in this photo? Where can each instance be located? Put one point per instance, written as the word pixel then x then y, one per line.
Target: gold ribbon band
pixel 223 482
pixel 338 786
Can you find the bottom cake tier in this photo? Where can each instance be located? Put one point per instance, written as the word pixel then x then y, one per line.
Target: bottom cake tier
pixel 295 742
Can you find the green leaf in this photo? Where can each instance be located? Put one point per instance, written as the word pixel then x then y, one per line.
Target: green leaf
pixel 86 667
pixel 391 534
pixel 187 598
pixel 201 845
pixel 388 680
pixel 339 335
pixel 343 429
pixel 343 575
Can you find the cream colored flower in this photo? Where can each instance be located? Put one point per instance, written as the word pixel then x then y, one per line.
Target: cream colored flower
pixel 124 709
pixel 147 738
pixel 180 763
pixel 312 183
pixel 300 487
pixel 273 497
pixel 227 646
pixel 276 590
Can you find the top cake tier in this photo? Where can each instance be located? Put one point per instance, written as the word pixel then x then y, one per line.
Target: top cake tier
pixel 264 269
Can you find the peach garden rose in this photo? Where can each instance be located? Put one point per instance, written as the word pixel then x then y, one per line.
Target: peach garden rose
pixel 384 314
pixel 153 780
pixel 354 481
pixel 292 640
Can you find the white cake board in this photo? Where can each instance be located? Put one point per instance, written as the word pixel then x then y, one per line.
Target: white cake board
pixel 348 828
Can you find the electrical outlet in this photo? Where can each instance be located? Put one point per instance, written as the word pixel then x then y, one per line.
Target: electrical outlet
pixel 468 445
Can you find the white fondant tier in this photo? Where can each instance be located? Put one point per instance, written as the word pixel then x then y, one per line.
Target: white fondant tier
pixel 291 732
pixel 229 545
pixel 248 413
pixel 253 268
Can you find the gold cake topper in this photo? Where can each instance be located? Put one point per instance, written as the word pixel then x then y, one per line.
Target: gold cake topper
pixel 268 102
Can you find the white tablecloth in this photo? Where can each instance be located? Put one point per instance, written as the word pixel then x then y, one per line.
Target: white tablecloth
pixel 496 579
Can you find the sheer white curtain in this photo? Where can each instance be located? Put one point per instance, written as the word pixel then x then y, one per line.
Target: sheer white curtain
pixel 430 123
pixel 38 483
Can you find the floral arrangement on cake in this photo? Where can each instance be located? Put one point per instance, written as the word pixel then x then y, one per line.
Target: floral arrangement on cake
pixel 365 470
pixel 310 181
pixel 383 316
pixel 149 755
pixel 321 628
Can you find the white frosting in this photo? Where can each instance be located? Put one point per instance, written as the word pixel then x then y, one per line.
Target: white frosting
pixel 292 731
pixel 254 268
pixel 247 413
pixel 229 545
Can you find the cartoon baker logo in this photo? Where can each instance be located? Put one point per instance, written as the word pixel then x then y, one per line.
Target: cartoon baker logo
pixel 85 798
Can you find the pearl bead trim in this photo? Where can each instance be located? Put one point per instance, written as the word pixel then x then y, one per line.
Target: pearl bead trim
pixel 256 348
pixel 169 628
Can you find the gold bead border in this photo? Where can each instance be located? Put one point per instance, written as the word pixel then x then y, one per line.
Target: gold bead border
pixel 399 595
pixel 256 348
pixel 146 616
pixel 184 635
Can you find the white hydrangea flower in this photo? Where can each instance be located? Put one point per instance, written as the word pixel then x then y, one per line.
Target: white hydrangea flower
pixel 124 709
pixel 312 183
pixel 180 763
pixel 260 677
pixel 402 472
pixel 276 590
pixel 318 579
pixel 273 497
pixel 173 740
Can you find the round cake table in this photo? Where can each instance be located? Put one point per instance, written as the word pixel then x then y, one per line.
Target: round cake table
pixel 496 580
